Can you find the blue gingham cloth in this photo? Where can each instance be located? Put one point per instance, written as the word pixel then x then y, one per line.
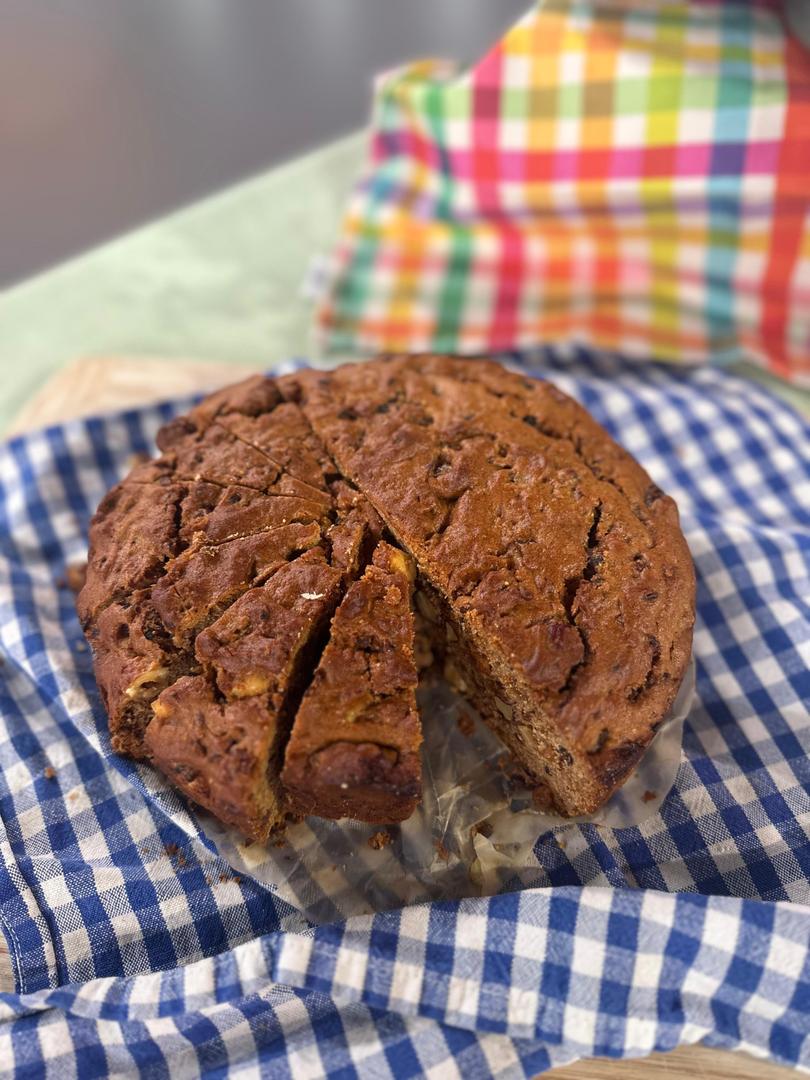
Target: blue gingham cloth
pixel 132 947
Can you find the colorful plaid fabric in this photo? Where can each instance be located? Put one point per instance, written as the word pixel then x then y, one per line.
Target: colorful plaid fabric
pixel 629 175
pixel 134 948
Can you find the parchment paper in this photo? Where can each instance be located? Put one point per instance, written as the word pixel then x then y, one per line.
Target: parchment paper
pixel 473 834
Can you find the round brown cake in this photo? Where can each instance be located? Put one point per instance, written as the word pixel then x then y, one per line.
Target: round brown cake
pixel 250 593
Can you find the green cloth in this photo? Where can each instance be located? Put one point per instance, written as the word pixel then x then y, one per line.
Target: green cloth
pixel 220 280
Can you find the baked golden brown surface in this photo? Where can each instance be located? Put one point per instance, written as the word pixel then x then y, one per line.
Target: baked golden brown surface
pixel 552 578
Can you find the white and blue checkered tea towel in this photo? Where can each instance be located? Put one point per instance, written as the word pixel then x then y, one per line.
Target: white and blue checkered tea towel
pixel 135 948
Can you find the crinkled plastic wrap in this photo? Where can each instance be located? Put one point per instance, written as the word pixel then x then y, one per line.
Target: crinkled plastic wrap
pixel 473 834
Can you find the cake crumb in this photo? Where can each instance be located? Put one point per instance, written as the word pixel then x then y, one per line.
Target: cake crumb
pixel 379 839
pixel 466 724
pixel 171 850
pixel 393 595
pixel 648 796
pixel 441 850
pixel 234 878
pixel 49 772
pixel 75 574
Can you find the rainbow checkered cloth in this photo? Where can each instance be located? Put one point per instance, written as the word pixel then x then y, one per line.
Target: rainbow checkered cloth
pixel 632 176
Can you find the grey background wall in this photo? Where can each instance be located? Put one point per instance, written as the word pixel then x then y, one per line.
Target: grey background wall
pixel 113 112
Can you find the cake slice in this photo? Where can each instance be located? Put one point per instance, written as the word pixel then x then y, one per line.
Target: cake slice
pixel 220 735
pixel 354 747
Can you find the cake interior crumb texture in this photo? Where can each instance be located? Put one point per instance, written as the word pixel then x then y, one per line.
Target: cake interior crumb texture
pixel 250 593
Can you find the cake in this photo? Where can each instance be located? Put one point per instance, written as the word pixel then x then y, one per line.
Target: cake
pixel 236 584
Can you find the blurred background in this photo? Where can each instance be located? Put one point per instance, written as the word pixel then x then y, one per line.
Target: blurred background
pixel 113 112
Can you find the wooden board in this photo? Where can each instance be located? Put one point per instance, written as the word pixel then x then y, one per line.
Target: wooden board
pixel 105 384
